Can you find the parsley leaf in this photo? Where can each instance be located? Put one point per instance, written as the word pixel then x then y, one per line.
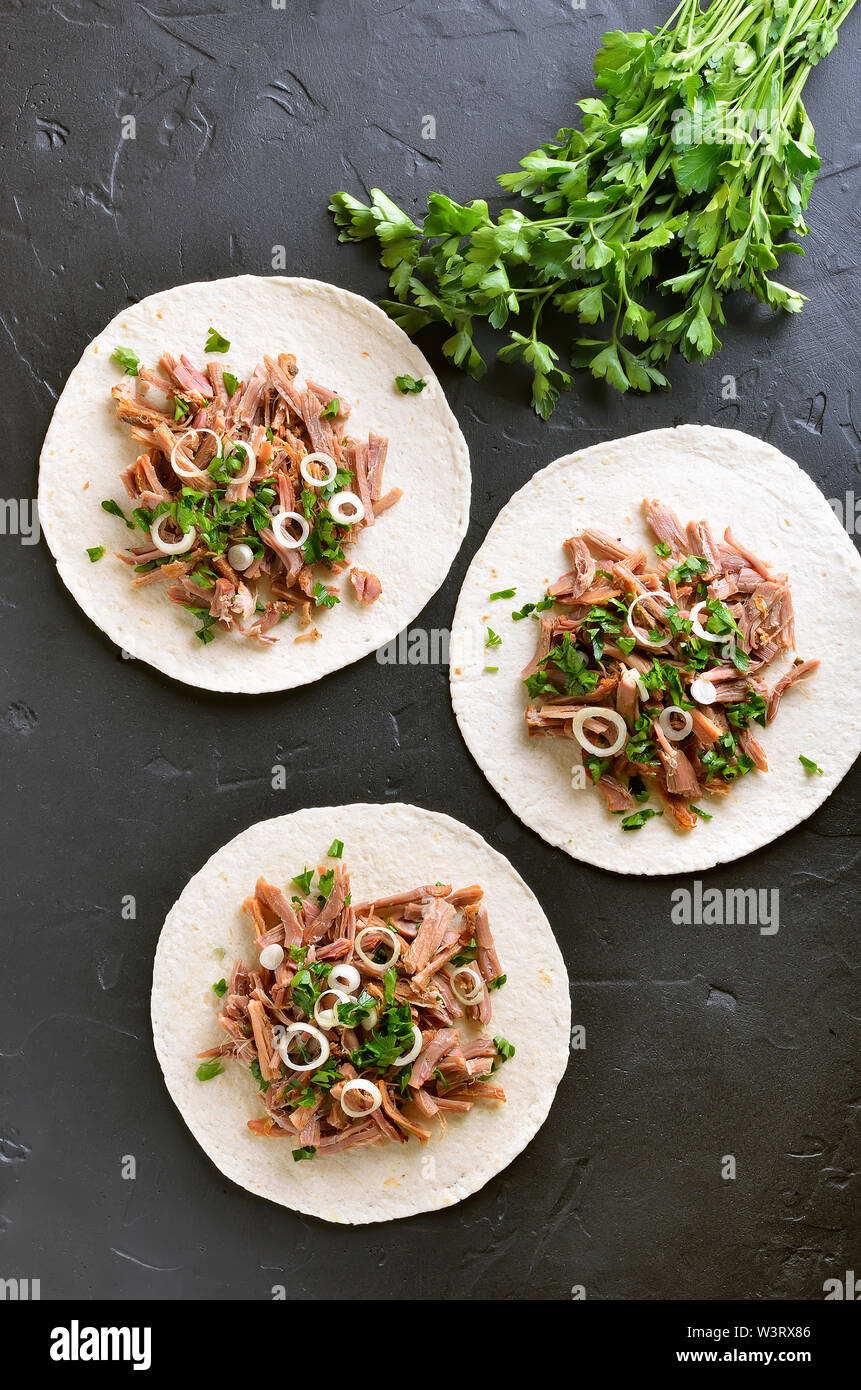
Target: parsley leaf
pixel 809 765
pixel 410 385
pixel 215 342
pixel 128 360
pixel 207 1070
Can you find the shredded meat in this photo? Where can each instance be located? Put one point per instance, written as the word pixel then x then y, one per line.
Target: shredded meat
pixel 264 1008
pixel 591 651
pixel 190 430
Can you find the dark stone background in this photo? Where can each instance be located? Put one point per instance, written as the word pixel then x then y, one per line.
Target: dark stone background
pixel 701 1041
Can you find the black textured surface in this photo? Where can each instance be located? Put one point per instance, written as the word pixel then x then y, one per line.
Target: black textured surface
pixel 701 1041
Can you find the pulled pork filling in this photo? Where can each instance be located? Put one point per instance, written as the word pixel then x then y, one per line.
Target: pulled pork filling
pixel 221 462
pixel 363 1021
pixel 657 672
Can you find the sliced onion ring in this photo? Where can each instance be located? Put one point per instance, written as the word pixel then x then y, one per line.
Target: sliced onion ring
pixel 699 630
pixel 326 461
pixel 279 525
pixel 358 1084
pixel 328 1018
pixel 703 691
pixel 343 976
pixel 673 734
pixel 283 1044
pixel 466 997
pixel 193 472
pixel 171 547
pixel 639 632
pixel 642 688
pixel 395 943
pixel 414 1050
pixel 250 467
pixel 612 717
pixel 341 500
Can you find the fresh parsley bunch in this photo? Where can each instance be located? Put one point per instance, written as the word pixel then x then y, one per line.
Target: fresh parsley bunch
pixel 682 183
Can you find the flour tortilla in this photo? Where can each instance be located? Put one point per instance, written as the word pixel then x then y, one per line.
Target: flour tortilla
pixel 727 478
pixel 387 849
pixel 340 340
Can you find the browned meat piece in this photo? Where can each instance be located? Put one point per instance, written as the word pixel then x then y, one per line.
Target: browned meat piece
pixel 798 672
pixel 367 586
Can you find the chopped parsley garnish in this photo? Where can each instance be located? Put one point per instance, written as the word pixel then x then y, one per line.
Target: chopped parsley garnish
pixel 220 988
pixel 688 569
pixel 335 850
pixel 322 597
pixel 231 383
pixel 116 510
pixel 304 880
pixel 752 707
pixel 355 1010
pixel 95 553
pixel 663 549
pixel 567 658
pixel 392 1037
pixel 597 767
pixel 128 360
pixel 493 638
pixel 308 1151
pixel 324 884
pixel 410 385
pixel 258 1075
pixel 331 410
pixel 306 991
pixel 637 819
pixel 532 608
pixel 505 1049
pixel 180 409
pixel 498 982
pixel 215 342
pixel 698 811
pixel 207 1070
pixel 503 593
pixel 810 765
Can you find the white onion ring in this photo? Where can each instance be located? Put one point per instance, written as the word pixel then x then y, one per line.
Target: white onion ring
pixel 474 994
pixel 699 630
pixel 640 633
pixel 642 688
pixel 344 977
pixel 371 1021
pixel 195 472
pixel 336 506
pixel 357 1084
pixel 396 945
pixel 612 717
pixel 171 547
pixel 327 461
pixel 250 467
pixel 675 735
pixel 272 956
pixel 328 1018
pixel 703 691
pixel 279 522
pixel 282 1042
pixel 414 1050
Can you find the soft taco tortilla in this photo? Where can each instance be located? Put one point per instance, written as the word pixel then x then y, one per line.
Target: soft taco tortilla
pixel 388 848
pixel 338 339
pixel 730 479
